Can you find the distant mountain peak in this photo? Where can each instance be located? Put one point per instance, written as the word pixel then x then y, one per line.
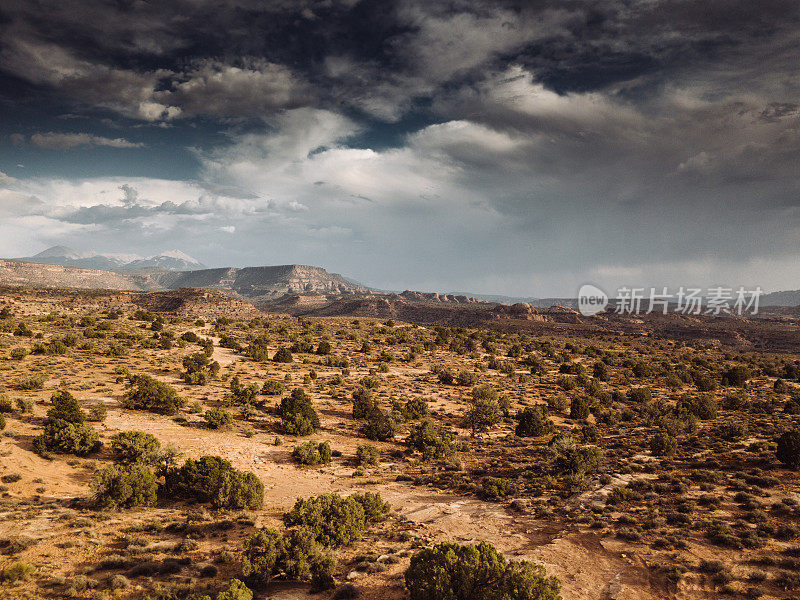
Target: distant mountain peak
pixel 57 252
pixel 176 254
pixel 171 260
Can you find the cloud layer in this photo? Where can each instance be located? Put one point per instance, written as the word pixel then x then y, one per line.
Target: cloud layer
pixel 523 148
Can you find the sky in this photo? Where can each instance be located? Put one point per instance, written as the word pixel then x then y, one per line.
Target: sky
pixel 518 148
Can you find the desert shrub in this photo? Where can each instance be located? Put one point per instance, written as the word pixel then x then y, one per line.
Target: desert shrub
pixel 578 408
pixel 18 353
pixel 273 388
pixel 65 408
pixel 217 418
pixel 367 455
pixel 6 406
pixel 31 382
pixel 18 571
pixel 295 556
pixel 450 571
pixel 788 450
pixel 97 413
pixel 379 426
pixel 148 393
pixel 600 371
pixel 2 422
pixel 324 348
pixel 125 486
pixel 72 438
pixel 375 509
pixel 467 378
pixel 703 407
pixel 558 404
pixel 732 431
pixel 533 422
pixel 736 376
pixel 569 457
pixel 640 395
pixel 496 488
pixel 427 439
pixel 213 479
pixel 484 410
pixel 236 590
pixel 363 403
pixel 135 446
pixel 333 520
pixel 283 355
pixel 312 453
pixel 780 386
pixel 297 414
pixel 414 408
pixel 242 394
pixel 703 382
pixel 663 444
pixel 446 376
pixel 198 368
pixel 258 349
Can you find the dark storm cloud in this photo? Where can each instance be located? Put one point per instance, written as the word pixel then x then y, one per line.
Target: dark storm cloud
pixel 161 60
pixel 569 139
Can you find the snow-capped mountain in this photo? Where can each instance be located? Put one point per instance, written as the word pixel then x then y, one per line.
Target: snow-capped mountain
pixel 171 260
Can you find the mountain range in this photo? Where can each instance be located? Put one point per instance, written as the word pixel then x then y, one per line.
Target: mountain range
pixel 170 260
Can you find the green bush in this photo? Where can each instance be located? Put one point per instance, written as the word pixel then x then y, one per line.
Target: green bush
pixel 297 414
pixel 736 376
pixel 533 422
pixel 379 426
pixel 467 378
pixel 295 556
pixel 125 486
pixel 578 408
pixel 324 348
pixel 663 444
pixel 363 403
pixel 788 451
pixel 65 408
pixel 72 438
pixel 451 571
pixel 217 418
pixel 336 521
pixel 496 488
pixel 283 355
pixel 2 422
pixel 97 413
pixel 640 395
pixel 484 410
pixel 571 458
pixel 213 479
pixel 703 407
pixel 242 394
pixel 18 571
pixel 18 353
pixel 148 393
pixel 236 591
pixel 367 455
pixel 135 446
pixel 31 382
pixel 427 439
pixel 312 453
pixel 415 408
pixel 273 388
pixel 199 368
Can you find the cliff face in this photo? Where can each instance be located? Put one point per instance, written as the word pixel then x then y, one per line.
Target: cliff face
pixel 57 276
pixel 251 283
